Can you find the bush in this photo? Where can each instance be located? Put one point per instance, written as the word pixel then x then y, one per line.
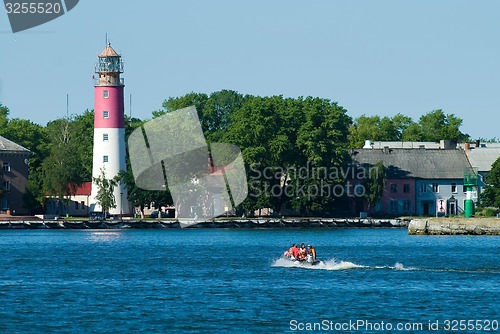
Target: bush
pixel 487 212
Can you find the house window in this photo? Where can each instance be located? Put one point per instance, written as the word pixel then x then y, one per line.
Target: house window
pixel 105 114
pixel 407 205
pixel 435 187
pixel 394 188
pixel 5 204
pixel 105 94
pixel 105 137
pixel 105 158
pixel 76 205
pixel 6 166
pixel 83 204
pixel 454 188
pixel 393 206
pixel 406 188
pixel 423 187
pixel 6 185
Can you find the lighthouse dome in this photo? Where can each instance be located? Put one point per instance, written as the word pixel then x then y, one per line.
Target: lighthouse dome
pixel 108 52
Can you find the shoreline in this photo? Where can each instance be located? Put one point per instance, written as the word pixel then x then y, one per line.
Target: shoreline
pixel 212 223
pixel 454 226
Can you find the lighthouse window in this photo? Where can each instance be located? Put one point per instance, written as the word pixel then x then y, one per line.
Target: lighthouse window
pixel 105 137
pixel 105 94
pixel 105 158
pixel 105 114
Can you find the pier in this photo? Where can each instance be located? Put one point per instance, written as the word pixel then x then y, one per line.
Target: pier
pixel 454 226
pixel 212 223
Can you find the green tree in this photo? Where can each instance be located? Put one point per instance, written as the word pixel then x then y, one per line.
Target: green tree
pixel 402 123
pixel 105 190
pixel 278 136
pixel 214 111
pixel 375 184
pixel 33 137
pixel 63 170
pixel 254 128
pixel 491 192
pixel 4 118
pixel 137 196
pixel 412 133
pixel 82 127
pixel 375 128
pixel 436 125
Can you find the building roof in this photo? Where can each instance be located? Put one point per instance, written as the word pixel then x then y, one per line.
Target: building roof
pixel 8 146
pixel 483 157
pixel 85 189
pixel 416 163
pixel 109 52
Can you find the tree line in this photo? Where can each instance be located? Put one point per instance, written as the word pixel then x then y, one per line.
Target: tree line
pixel 275 134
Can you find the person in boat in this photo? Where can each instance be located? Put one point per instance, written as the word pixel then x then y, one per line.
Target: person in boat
pixel 302 252
pixel 292 252
pixel 288 253
pixel 312 252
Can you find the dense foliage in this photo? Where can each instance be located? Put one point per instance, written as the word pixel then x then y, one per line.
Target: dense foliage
pixel 431 127
pixel 491 193
pixel 278 137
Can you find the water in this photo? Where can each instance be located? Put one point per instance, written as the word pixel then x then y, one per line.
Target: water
pixel 232 281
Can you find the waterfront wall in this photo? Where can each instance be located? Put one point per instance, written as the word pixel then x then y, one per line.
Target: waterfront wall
pixel 454 226
pixel 213 223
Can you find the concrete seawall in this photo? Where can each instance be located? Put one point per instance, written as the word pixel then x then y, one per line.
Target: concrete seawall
pixel 215 223
pixel 454 226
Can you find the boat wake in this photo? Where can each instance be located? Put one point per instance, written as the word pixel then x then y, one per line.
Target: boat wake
pixel 334 264
pixel 322 265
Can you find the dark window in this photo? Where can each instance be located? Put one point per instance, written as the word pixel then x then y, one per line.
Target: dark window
pixel 105 158
pixel 394 188
pixel 6 166
pixel 454 188
pixel 105 114
pixel 406 188
pixel 435 187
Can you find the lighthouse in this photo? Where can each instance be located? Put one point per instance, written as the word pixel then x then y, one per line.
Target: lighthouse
pixel 109 127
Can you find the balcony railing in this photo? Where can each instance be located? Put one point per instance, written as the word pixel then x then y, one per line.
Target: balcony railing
pixel 106 82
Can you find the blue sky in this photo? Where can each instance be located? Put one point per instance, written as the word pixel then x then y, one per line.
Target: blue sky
pixel 372 57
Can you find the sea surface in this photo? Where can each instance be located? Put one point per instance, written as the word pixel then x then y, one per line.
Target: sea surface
pixel 233 281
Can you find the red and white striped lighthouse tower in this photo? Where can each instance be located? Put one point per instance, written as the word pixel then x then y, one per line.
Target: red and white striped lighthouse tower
pixel 109 127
